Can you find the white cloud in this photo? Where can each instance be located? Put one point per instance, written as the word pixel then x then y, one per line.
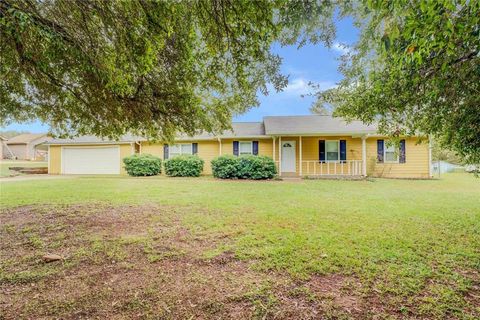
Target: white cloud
pixel 325 85
pixel 341 48
pixel 298 86
pixel 301 86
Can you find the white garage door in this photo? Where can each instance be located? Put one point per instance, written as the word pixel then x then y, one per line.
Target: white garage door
pixel 97 160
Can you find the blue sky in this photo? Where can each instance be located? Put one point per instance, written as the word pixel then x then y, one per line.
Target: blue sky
pixel 311 63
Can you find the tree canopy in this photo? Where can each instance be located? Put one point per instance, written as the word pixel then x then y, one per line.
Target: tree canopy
pixel 415 69
pixel 157 67
pixel 145 67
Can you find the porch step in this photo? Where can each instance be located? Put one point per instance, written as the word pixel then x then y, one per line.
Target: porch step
pixel 335 177
pixel 291 178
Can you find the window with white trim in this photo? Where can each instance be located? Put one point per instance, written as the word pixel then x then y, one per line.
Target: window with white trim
pixel 180 148
pixel 390 153
pixel 332 150
pixel 245 147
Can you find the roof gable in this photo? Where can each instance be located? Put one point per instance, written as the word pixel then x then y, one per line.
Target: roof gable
pixel 314 124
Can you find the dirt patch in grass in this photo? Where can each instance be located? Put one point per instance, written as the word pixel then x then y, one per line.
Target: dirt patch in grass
pixel 132 262
pixel 138 262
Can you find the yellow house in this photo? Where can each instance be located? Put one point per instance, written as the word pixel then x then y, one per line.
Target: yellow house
pixel 313 145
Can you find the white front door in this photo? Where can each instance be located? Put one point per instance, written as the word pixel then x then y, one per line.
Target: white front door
pixel 288 156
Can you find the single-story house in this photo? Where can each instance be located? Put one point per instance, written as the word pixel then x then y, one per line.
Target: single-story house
pixel 28 146
pixel 313 145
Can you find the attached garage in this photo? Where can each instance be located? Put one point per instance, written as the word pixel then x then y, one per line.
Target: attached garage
pixel 90 155
pixel 91 160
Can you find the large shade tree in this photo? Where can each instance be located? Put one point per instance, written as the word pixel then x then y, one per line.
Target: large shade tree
pixel 145 67
pixel 415 69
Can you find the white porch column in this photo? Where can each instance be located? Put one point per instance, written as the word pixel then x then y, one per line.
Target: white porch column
pixel 280 155
pixel 273 156
pixel 300 150
pixel 219 146
pixel 364 156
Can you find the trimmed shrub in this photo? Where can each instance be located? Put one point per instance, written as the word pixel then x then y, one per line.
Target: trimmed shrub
pixel 144 164
pixel 244 167
pixel 257 167
pixel 226 167
pixel 184 166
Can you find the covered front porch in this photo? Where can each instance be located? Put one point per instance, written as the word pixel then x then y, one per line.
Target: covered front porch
pixel 320 156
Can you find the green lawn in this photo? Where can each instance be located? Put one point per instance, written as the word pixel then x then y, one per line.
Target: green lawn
pixel 5 164
pixel 347 249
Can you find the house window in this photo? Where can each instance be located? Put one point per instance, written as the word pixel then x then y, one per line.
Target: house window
pixel 180 148
pixel 332 150
pixel 391 153
pixel 245 147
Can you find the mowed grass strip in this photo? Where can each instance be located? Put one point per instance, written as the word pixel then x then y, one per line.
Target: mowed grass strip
pixel 412 246
pixel 6 164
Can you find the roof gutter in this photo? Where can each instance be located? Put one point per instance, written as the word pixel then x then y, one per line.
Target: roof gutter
pixel 88 143
pixel 325 134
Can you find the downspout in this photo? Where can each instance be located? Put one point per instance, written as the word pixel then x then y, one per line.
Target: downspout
pixel 48 160
pixel 273 153
pixel 219 146
pixel 139 146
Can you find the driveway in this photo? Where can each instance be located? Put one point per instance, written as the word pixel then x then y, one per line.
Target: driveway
pixel 33 177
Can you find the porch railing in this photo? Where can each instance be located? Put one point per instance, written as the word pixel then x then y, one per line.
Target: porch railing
pixel 329 168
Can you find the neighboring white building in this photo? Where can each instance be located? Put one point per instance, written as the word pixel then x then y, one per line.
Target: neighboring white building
pixel 2 145
pixel 472 168
pixel 444 167
pixel 27 146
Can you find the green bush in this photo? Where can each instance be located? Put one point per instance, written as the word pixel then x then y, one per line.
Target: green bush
pixel 226 167
pixel 184 166
pixel 244 167
pixel 257 167
pixel 138 165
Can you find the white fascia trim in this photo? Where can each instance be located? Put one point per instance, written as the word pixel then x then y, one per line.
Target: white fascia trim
pixel 90 143
pixel 223 137
pixel 324 134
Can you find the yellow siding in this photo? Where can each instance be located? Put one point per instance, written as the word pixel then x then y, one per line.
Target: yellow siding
pixel 55 157
pixel 415 166
pixel 210 149
pixel 207 150
pixel 264 146
pixel 310 153
pixel 125 151
pixel 153 148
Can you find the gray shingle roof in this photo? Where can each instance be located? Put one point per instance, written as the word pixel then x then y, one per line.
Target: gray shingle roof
pixel 246 129
pixel 314 124
pixel 26 138
pixel 93 140
pixel 272 125
pixel 239 129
